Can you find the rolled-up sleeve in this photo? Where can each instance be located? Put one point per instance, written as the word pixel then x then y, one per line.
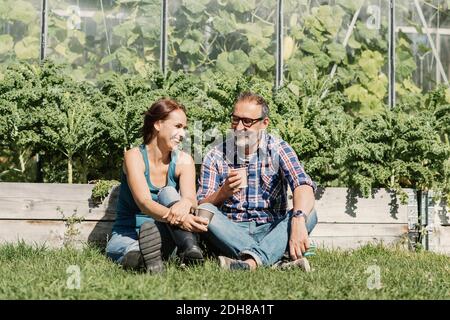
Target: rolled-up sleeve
pixel 209 178
pixel 292 168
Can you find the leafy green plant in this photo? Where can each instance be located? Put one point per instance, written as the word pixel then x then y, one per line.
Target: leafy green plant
pixel 71 223
pixel 17 137
pixel 127 97
pixel 314 43
pixel 67 121
pixel 116 36
pixel 404 147
pixel 316 128
pixel 19 30
pixel 233 37
pixel 102 189
pixel 45 111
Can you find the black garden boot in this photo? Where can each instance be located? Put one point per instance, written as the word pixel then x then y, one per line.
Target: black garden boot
pixel 150 248
pixel 187 244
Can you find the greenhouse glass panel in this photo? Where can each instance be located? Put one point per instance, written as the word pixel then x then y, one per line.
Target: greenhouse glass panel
pixel 97 37
pixel 444 52
pixel 346 40
pixel 231 36
pixel 422 46
pixel 20 30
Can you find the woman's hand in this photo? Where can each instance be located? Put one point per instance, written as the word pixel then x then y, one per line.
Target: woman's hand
pixel 178 212
pixel 194 224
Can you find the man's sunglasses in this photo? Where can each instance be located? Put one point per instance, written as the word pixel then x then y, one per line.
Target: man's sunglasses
pixel 247 122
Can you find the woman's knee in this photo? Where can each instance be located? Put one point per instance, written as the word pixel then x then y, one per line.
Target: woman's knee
pixel 119 244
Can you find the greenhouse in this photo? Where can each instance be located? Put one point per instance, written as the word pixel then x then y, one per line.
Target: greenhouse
pixel 358 89
pixel 269 39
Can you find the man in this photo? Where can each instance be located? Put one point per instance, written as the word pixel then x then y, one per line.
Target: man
pixel 251 226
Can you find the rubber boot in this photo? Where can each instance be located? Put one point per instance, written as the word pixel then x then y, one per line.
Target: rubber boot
pixel 150 246
pixel 187 244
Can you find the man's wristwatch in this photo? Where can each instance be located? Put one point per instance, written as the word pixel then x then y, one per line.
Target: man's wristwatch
pixel 299 213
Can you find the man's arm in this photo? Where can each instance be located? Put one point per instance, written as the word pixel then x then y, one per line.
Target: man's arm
pixel 216 199
pixel 209 184
pixel 298 240
pixel 226 191
pixel 303 198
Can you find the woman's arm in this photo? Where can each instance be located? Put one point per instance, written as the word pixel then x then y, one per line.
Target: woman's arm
pixel 185 170
pixel 134 168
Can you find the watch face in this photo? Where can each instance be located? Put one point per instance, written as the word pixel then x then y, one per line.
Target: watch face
pixel 298 213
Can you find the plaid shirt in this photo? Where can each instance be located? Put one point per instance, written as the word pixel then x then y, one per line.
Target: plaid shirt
pixel 269 171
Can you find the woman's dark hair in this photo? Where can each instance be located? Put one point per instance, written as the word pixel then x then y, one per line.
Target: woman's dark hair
pixel 159 110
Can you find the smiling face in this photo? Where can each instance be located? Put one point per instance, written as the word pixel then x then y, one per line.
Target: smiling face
pixel 172 131
pixel 249 113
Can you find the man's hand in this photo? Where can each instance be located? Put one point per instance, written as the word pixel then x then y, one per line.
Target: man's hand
pixel 226 191
pixel 230 186
pixel 298 240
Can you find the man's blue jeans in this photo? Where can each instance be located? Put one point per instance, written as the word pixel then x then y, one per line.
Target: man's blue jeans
pixel 266 243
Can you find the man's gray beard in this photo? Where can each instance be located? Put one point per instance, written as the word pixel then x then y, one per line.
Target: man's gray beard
pixel 235 150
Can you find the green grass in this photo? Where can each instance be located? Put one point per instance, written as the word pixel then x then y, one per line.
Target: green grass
pixel 39 273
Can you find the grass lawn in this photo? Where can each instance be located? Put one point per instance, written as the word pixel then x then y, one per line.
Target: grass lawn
pixel 40 273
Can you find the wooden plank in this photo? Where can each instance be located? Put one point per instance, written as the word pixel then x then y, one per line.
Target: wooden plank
pixel 439 211
pixel 353 242
pixel 39 232
pixel 51 204
pixel 439 226
pixel 344 205
pixel 48 191
pixel 439 239
pixel 41 201
pixel 359 230
pixel 352 236
pixel 52 209
pixel 52 233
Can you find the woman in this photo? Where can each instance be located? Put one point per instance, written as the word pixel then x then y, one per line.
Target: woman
pixel 152 218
